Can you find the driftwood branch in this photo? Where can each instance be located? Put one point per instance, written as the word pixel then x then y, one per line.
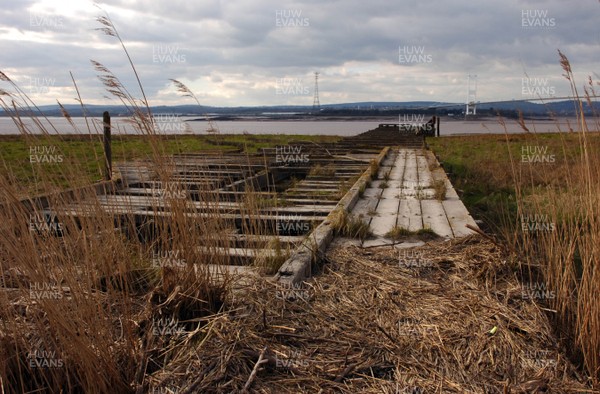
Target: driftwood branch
pixel 261 360
pixel 345 372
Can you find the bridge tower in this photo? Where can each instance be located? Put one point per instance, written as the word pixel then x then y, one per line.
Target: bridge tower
pixel 471 108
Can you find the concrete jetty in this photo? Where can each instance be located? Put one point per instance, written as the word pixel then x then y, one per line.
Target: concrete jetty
pixel 412 194
pixel 385 176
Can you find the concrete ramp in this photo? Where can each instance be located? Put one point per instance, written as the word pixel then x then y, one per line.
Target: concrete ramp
pixel 412 199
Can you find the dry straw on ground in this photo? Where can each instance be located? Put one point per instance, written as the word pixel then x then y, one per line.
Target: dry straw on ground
pixel 452 321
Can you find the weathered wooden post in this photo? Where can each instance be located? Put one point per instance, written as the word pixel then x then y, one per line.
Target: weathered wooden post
pixel 107 147
pixel 437 128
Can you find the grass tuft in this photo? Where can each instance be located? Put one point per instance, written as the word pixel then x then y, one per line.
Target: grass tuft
pixel 398 232
pixel 346 225
pixel 439 187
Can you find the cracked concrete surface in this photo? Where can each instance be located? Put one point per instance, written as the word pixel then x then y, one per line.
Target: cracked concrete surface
pixel 404 197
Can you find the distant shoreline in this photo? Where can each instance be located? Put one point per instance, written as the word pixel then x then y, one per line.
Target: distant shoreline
pixel 320 125
pixel 307 118
pixel 83 137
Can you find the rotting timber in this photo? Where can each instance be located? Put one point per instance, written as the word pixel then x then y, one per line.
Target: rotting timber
pixel 294 188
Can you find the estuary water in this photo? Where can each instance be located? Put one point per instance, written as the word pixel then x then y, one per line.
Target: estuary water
pixel 186 125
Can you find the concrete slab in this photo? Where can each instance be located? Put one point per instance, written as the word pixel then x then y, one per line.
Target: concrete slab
pixel 391 193
pixel 388 206
pixel 459 217
pixel 411 177
pixel 381 225
pixel 394 184
pixel 398 169
pixel 425 178
pixel 409 215
pixel 364 206
pixel 434 217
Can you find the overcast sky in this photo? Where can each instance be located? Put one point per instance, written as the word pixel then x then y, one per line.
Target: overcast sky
pixel 265 52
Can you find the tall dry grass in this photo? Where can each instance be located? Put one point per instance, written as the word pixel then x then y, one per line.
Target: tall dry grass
pixel 558 231
pixel 86 303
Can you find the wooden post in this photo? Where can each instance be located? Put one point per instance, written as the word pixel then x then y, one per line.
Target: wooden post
pixel 107 147
pixel 437 129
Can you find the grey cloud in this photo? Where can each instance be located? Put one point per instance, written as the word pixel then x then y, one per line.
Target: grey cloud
pixel 238 46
